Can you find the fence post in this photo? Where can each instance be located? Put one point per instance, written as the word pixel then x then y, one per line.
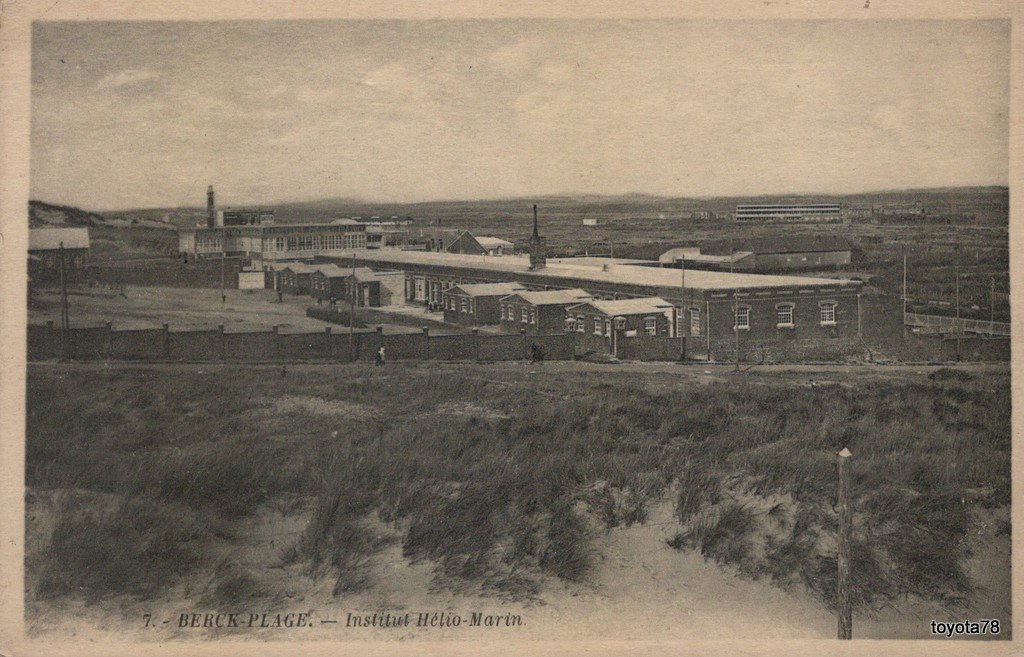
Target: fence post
pixel 223 343
pixel 476 344
pixel 110 339
pixel 426 343
pixel 843 607
pixel 167 342
pixel 327 340
pixel 380 337
pixel 277 343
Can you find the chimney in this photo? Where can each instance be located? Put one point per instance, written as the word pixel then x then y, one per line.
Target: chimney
pixel 538 256
pixel 211 212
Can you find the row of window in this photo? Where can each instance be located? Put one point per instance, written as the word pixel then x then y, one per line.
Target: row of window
pixel 319 242
pixel 526 315
pixel 783 315
pixel 604 327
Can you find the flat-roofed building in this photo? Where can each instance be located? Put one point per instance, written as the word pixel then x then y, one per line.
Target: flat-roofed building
pixel 822 309
pixel 810 212
pixel 273 242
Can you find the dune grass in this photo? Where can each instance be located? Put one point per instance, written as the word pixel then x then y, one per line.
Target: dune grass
pixel 509 496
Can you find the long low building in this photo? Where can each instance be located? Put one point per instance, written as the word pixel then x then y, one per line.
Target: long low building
pixel 273 242
pixel 708 306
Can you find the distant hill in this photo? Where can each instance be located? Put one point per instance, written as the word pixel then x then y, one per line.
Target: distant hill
pixel 42 215
pixel 990 205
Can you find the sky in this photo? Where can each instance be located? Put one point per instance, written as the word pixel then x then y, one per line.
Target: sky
pixel 130 115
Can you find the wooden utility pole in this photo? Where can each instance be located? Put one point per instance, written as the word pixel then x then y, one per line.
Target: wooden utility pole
pixel 352 310
pixel 904 289
pixel 682 312
pixel 959 329
pixel 65 317
pixel 735 308
pixel 844 609
pixel 223 257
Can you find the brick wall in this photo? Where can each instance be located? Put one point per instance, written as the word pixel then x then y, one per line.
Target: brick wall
pixel 645 347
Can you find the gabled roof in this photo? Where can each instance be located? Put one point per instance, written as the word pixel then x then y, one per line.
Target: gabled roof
pixel 365 274
pixel 493 242
pixel 551 297
pixel 487 289
pixel 44 239
pixel 332 270
pixel 644 306
pixel 788 244
pixel 299 268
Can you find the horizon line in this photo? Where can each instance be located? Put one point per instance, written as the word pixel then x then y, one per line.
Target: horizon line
pixel 526 197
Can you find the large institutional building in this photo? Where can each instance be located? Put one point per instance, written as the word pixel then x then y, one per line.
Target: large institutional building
pixel 711 309
pixel 821 212
pixel 253 233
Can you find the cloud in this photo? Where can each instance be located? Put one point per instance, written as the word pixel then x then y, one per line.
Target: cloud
pixel 126 77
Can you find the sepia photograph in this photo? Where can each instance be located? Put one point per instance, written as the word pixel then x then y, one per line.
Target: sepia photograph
pixel 515 329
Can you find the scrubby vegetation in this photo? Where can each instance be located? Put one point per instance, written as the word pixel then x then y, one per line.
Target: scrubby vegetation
pixel 510 489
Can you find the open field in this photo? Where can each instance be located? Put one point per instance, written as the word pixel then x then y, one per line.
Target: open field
pixel 194 308
pixel 602 494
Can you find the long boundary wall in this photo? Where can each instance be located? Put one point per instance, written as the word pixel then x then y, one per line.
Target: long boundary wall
pixel 47 342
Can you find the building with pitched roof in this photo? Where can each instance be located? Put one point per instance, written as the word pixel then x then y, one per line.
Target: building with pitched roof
pixel 539 312
pixel 476 304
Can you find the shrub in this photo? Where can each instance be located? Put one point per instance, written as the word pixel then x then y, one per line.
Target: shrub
pixel 134 547
pixel 567 554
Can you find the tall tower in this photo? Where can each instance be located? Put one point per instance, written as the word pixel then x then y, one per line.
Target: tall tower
pixel 538 256
pixel 211 212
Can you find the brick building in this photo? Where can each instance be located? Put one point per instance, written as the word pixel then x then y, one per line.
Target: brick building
pixel 706 314
pixel 295 278
pixel 600 324
pixel 329 282
pixel 476 305
pixel 376 288
pixel 539 313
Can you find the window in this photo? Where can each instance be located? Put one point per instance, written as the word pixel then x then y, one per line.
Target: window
pixel 694 321
pixel 784 314
pixel 597 326
pixel 828 313
pixel 525 316
pixel 504 314
pixel 533 317
pixel 651 325
pixel 465 305
pixel 607 327
pixel 581 324
pixel 742 318
pixel 570 324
